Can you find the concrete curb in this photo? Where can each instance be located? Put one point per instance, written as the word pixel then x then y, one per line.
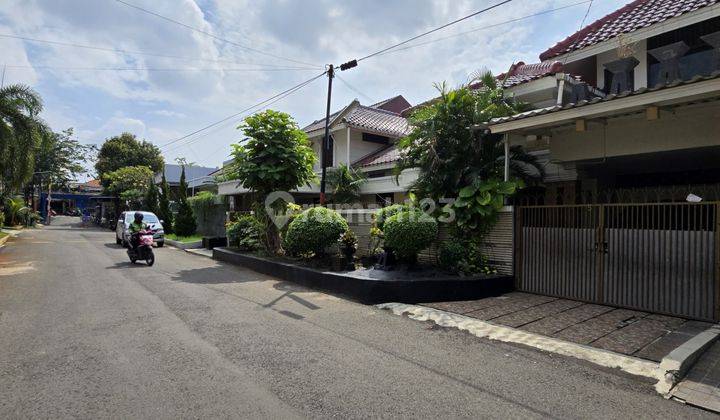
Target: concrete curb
pixel 4 239
pixel 184 245
pixel 484 329
pixel 676 364
pixel 196 251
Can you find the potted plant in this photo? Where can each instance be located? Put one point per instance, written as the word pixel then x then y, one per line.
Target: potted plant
pixel 348 246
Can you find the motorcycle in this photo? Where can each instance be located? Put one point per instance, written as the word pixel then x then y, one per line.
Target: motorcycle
pixel 144 250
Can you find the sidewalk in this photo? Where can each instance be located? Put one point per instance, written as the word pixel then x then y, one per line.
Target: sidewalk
pixel 701 386
pixel 633 333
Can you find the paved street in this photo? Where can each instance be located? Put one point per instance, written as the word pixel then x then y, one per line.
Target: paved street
pixel 83 333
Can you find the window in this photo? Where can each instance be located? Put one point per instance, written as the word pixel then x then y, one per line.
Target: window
pixel 375 138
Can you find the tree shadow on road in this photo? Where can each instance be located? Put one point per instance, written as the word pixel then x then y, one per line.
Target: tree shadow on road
pixel 126 264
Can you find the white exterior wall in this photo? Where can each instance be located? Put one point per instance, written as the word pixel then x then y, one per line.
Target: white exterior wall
pixel 358 147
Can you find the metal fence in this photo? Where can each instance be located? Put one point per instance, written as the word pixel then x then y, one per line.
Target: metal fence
pixel 660 258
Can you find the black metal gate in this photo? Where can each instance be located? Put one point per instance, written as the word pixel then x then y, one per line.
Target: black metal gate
pixel 662 258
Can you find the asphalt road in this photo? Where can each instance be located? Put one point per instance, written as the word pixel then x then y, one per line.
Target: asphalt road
pixel 83 333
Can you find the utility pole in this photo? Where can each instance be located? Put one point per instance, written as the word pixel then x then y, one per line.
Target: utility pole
pixel 2 82
pixel 325 149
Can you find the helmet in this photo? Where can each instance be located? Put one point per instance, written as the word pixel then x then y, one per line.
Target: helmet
pixel 138 217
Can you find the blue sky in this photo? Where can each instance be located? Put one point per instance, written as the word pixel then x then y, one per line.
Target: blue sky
pixel 210 79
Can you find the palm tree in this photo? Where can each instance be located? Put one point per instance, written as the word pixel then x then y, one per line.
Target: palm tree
pixel 345 182
pixel 20 130
pixel 449 153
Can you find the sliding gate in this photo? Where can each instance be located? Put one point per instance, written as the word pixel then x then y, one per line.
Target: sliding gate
pixel 662 258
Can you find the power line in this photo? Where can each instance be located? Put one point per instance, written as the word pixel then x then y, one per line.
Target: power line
pixel 130 52
pixel 432 41
pixel 229 117
pixel 432 30
pixel 160 69
pixel 230 121
pixel 192 28
pixel 349 86
pixel 577 34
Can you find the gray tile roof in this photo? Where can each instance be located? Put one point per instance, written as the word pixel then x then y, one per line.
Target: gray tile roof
pixel 385 155
pixel 367 118
pixel 548 110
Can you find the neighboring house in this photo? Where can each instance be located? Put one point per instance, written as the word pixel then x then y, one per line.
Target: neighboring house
pixel 363 137
pixel 198 178
pixel 627 118
pixel 92 186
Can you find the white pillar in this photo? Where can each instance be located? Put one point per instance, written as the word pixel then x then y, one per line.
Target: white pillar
pixel 506 140
pixel 348 147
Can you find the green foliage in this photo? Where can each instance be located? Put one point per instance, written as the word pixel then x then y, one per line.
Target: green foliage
pixel 464 257
pixel 449 153
pixel 348 242
pixel 202 203
pixel 345 182
pixel 151 202
pixel 128 178
pixel 245 233
pixel 13 210
pixel 185 224
pixel 62 156
pixel 277 155
pixel 20 132
pixel 314 230
pixel 133 199
pixel 164 212
pixel 2 219
pixel 126 150
pixel 477 205
pixel 409 232
pixel 381 215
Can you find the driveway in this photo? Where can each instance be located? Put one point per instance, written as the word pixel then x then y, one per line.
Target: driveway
pixel 84 333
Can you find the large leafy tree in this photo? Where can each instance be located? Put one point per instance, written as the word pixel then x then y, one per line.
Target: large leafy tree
pixel 62 156
pixel 450 154
pixel 133 181
pixel 126 150
pixel 276 157
pixel 185 224
pixel 20 130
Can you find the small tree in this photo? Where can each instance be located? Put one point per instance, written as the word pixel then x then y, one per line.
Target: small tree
pixel 151 201
pixel 164 212
pixel 276 157
pixel 185 222
pixel 345 182
pixel 126 179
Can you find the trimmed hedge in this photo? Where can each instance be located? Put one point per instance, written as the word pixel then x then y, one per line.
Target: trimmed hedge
pixel 245 233
pixel 313 231
pixel 384 213
pixel 409 232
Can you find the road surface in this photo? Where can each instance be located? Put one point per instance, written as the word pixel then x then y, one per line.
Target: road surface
pixel 84 333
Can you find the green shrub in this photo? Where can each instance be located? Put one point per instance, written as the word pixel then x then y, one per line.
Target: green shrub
pixel 384 213
pixel 451 254
pixel 244 233
pixel 409 232
pixel 464 257
pixel 313 231
pixel 2 219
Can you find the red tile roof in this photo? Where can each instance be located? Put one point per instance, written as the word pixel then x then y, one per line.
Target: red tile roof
pixel 521 73
pixel 636 15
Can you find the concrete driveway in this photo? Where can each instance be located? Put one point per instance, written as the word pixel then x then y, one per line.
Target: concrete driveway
pixel 84 333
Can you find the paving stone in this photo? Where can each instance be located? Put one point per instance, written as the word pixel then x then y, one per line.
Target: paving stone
pixel 670 321
pixel 661 347
pixel 512 305
pixel 701 386
pixel 465 306
pixel 551 325
pixel 594 328
pixel 630 339
pixel 534 313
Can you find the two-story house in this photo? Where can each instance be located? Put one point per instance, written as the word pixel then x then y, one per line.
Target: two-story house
pixel 361 136
pixel 627 116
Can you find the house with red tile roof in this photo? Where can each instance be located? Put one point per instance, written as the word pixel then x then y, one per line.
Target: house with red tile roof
pixel 363 137
pixel 627 118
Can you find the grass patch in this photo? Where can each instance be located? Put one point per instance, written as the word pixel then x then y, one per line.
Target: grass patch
pixel 3 234
pixel 183 239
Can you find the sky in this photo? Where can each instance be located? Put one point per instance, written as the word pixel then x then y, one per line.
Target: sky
pixel 250 51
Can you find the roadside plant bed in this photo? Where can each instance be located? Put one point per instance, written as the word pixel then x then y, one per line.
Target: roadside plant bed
pixel 371 286
pixel 184 242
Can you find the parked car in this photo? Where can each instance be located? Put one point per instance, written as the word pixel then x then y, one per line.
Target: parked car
pixel 122 230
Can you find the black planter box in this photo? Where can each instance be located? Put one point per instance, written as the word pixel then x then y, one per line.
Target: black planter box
pixel 211 243
pixel 369 290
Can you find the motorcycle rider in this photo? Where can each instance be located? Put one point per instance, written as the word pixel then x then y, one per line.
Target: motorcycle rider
pixel 135 227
